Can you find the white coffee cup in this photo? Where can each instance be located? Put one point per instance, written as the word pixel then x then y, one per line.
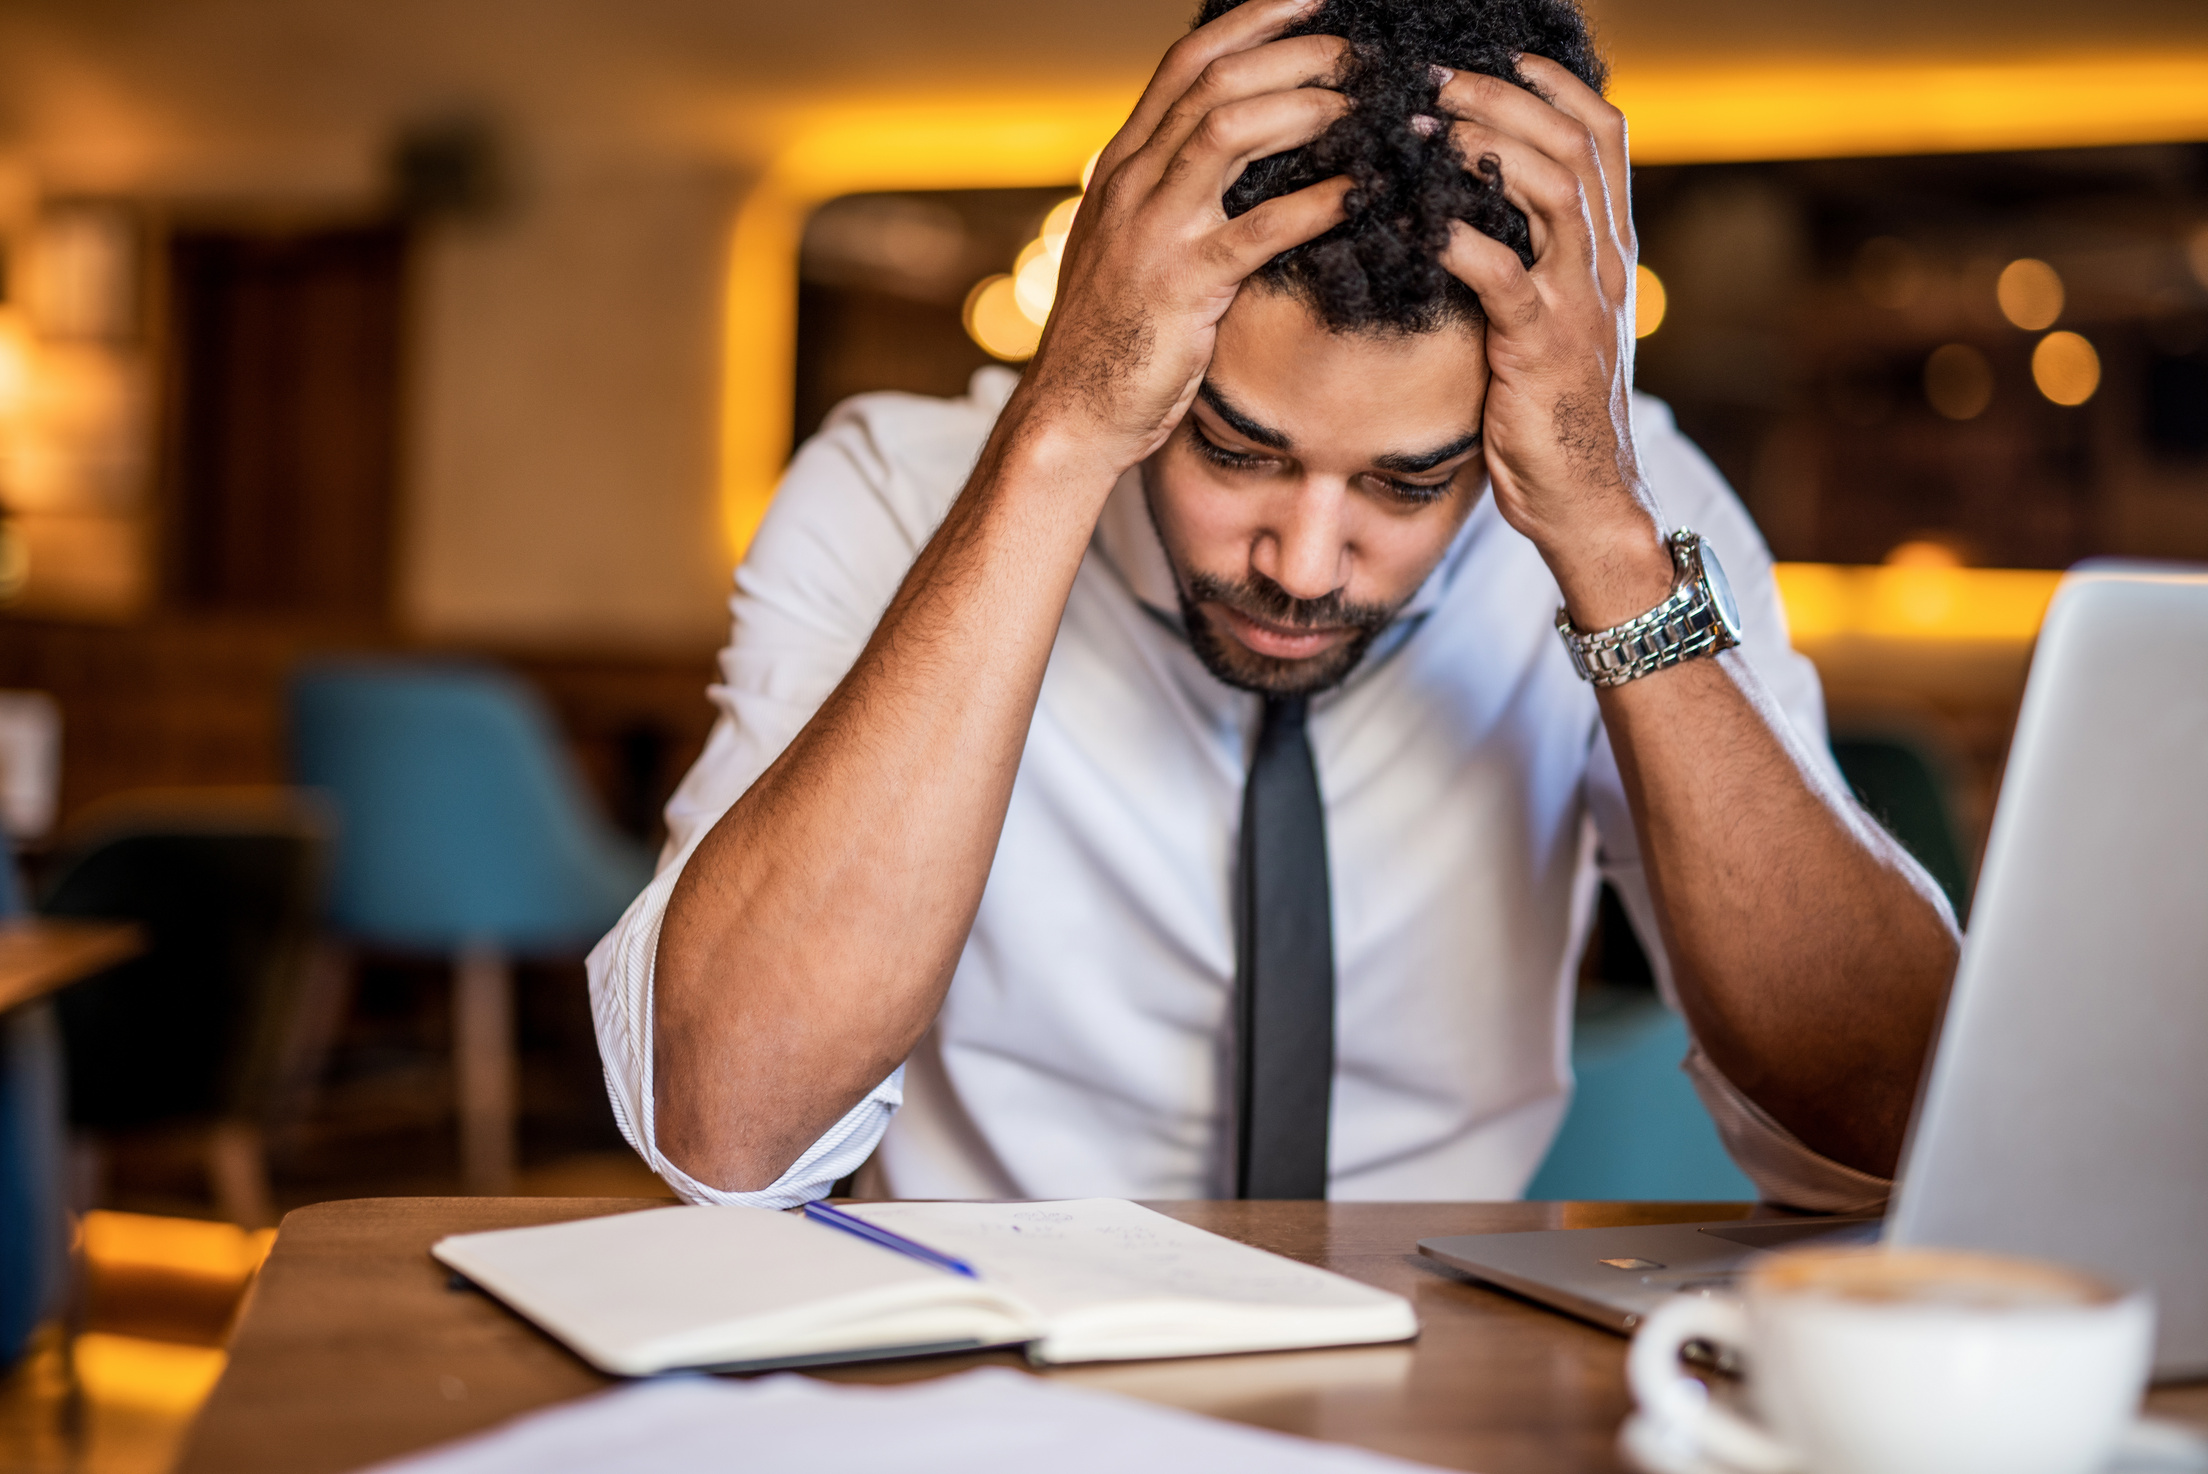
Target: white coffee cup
pixel 1898 1361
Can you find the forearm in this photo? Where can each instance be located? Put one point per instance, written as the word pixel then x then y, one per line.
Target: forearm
pixel 813 932
pixel 1811 953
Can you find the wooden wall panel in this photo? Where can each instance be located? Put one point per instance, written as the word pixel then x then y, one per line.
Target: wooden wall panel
pixel 282 444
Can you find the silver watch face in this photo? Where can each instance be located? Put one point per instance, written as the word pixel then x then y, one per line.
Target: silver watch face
pixel 1721 592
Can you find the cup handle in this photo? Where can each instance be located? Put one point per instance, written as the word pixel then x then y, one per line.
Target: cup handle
pixel 1678 1407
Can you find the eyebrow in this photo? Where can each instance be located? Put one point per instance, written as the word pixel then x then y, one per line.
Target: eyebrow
pixel 1240 423
pixel 1428 459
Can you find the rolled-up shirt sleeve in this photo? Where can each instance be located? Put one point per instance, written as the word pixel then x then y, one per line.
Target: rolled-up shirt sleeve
pixel 858 502
pixel 621 969
pixel 1693 494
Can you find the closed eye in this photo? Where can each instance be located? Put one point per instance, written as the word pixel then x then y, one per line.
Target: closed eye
pixel 1424 463
pixel 1407 494
pixel 1219 455
pixel 1417 493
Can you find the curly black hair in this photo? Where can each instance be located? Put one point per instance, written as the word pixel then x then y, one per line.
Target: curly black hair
pixel 1379 270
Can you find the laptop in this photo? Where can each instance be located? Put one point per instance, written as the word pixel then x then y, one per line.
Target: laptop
pixel 2065 1115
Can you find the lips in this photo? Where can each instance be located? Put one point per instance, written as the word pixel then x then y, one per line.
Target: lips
pixel 1279 642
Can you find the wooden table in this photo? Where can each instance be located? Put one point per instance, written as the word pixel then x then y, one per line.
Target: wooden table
pixel 36 957
pixel 352 1348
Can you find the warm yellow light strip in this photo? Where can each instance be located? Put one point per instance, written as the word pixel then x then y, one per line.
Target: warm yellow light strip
pixel 1829 600
pixel 184 1246
pixel 1004 144
pixel 1782 109
pixel 145 1376
pixel 160 1377
pixel 1754 109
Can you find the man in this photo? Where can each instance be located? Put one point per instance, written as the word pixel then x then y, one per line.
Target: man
pixel 1162 776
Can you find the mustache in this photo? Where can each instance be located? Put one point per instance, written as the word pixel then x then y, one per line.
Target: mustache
pixel 1260 597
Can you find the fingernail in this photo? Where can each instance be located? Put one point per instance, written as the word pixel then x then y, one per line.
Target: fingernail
pixel 1425 125
pixel 1517 57
pixel 1441 75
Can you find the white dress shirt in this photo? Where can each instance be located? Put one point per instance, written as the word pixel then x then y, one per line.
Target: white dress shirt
pixel 1084 1046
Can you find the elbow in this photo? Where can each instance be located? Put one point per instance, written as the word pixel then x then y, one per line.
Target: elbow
pixel 700 1126
pixel 708 1146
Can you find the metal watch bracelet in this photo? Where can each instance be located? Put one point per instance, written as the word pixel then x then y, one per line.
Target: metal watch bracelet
pixel 1695 620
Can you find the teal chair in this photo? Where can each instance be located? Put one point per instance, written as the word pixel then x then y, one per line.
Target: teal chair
pixel 466 831
pixel 34 1218
pixel 1636 1129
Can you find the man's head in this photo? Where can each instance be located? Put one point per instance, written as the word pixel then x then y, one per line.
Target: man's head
pixel 1334 451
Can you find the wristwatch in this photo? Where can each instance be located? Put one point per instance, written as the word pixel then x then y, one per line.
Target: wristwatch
pixel 1700 618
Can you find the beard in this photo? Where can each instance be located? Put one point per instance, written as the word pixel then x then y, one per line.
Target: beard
pixel 1260 598
pixel 1236 664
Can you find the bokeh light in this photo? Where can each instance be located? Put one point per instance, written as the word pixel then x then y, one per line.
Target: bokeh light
pixel 1027 293
pixel 1058 224
pixel 1958 381
pixel 1649 301
pixel 1035 280
pixel 1923 552
pixel 2030 294
pixel 2066 368
pixel 995 321
pixel 15 362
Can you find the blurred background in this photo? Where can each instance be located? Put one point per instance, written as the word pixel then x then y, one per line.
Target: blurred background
pixel 386 392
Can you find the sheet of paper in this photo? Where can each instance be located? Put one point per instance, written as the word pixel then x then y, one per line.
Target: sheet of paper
pixel 990 1421
pixel 1063 1256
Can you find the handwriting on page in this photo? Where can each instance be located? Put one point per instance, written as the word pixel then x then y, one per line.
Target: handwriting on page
pixel 1064 1256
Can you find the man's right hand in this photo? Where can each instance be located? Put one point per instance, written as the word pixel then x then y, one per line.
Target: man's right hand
pixel 815 929
pixel 1153 261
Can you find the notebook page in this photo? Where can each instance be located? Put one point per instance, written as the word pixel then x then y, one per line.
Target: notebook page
pixel 1064 1256
pixel 638 1292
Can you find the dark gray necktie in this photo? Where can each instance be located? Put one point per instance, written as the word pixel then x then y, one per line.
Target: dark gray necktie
pixel 1284 967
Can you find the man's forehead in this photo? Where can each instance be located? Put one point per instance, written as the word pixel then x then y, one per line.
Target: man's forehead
pixel 1279 368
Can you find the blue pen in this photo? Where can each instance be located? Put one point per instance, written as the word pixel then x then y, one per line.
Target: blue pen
pixel 873 1234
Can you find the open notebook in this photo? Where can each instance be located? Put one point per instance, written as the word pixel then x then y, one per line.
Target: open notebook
pixel 745 1288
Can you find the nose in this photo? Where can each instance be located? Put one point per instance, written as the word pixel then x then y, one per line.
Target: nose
pixel 1304 550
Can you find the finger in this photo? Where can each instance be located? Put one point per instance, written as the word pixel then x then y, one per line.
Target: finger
pixel 1496 276
pixel 1227 138
pixel 1513 110
pixel 1601 118
pixel 1276 66
pixel 1554 198
pixel 1249 24
pixel 1257 235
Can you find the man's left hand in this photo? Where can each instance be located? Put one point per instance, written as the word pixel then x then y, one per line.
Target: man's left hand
pixel 1560 451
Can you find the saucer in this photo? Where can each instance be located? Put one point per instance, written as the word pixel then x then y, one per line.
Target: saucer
pixel 2151 1446
pixel 1648 1450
